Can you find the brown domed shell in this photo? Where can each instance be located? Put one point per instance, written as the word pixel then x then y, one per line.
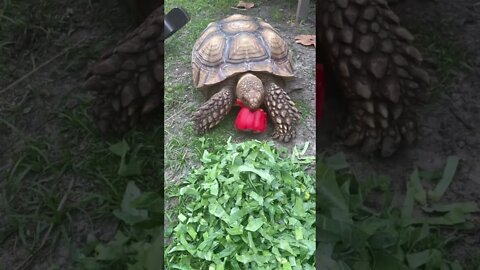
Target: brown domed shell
pixel 239 44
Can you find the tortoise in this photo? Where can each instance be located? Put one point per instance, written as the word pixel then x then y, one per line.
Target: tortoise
pixel 361 42
pixel 246 58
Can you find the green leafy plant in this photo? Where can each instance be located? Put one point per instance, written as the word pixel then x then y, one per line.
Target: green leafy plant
pixel 353 235
pixel 248 206
pixel 139 246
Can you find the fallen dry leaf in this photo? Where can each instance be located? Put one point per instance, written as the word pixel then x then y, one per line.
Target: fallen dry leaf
pixel 245 5
pixel 306 40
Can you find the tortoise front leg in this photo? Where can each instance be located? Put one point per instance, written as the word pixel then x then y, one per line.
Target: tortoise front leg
pixel 378 68
pixel 214 110
pixel 282 111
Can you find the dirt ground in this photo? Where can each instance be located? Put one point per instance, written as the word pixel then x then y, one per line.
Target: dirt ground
pixel 448 125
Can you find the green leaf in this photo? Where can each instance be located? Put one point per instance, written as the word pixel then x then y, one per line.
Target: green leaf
pixel 337 161
pixel 263 174
pixel 120 149
pixel 154 254
pixel 128 213
pixel 419 192
pixel 254 224
pixel 448 173
pixel 298 209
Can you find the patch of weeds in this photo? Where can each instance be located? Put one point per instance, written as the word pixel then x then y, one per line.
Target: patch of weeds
pixel 449 57
pixel 249 205
pixel 45 166
pixel 37 174
pixel 138 245
pixel 276 14
pixel 356 235
pixel 26 29
pixel 174 96
pixel 176 152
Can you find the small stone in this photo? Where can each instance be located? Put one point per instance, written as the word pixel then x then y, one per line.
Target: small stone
pixel 375 27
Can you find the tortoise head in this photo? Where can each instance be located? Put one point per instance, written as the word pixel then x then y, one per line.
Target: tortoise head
pixel 250 91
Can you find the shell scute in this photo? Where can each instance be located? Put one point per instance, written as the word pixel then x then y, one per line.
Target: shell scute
pixel 239 44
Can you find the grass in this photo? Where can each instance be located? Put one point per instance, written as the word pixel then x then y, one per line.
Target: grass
pixel 448 55
pixel 62 176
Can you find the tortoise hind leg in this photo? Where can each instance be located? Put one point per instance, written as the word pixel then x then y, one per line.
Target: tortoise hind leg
pixel 214 110
pixel 377 68
pixel 282 111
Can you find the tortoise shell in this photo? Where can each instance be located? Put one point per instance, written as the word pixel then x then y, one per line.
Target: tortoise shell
pixel 239 44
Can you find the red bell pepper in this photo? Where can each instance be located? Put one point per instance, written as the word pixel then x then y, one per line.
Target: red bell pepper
pixel 247 120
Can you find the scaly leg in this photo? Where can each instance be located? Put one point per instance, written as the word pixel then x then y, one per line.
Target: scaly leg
pixel 377 68
pixel 214 110
pixel 282 111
